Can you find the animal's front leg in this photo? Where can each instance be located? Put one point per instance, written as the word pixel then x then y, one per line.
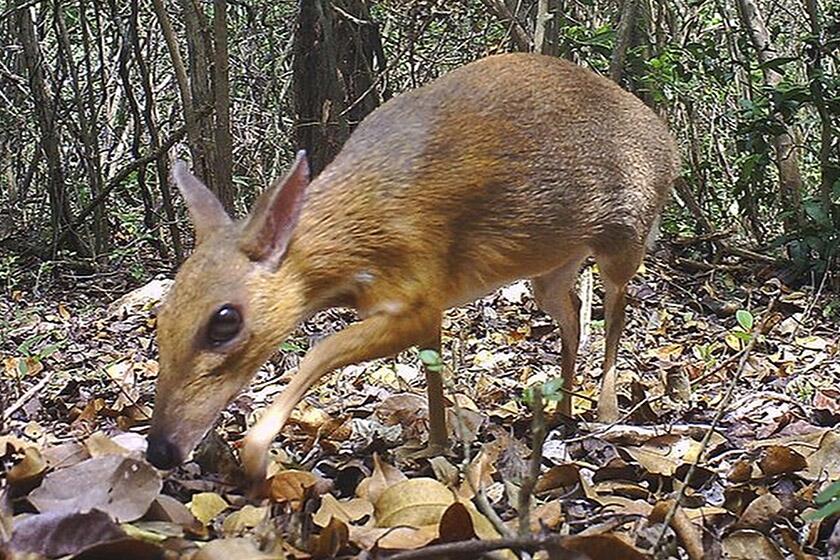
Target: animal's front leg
pixel 377 336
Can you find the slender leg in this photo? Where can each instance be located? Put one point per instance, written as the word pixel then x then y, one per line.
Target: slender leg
pixel 375 337
pixel 616 271
pixel 438 438
pixel 555 294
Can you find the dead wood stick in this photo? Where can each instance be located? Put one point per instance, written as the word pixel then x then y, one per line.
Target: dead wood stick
pixel 27 396
pixel 529 544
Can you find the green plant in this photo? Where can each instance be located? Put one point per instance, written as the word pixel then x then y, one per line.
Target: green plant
pixel 829 502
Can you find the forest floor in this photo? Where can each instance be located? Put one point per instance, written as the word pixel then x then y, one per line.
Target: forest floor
pixel 79 371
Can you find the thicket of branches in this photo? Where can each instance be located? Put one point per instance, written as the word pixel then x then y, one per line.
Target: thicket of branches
pixel 98 96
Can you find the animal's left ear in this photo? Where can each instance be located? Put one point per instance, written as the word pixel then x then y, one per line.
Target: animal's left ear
pixel 273 219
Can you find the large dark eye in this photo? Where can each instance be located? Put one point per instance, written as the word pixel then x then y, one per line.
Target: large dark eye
pixel 224 325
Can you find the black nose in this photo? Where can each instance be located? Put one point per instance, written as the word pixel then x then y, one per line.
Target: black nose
pixel 162 453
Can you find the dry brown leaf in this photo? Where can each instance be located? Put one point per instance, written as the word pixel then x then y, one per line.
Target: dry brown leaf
pixel 748 544
pixel 27 473
pixel 292 487
pixel 415 502
pixel 778 459
pixel 741 471
pixel 606 546
pixel 347 511
pixel 60 534
pixel 663 454
pixel 99 445
pixel 230 549
pixel 686 531
pixel 246 518
pixel 456 524
pixel 205 506
pixel 383 477
pixel 65 455
pixel 761 512
pixel 558 476
pixel 331 540
pixel 392 538
pixel 120 486
pixel 167 508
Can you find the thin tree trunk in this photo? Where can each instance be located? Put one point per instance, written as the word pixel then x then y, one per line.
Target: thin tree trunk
pixel 221 99
pixel 622 40
pixel 59 206
pixel 334 80
pixel 829 170
pixel 790 179
pixel 546 27
pixel 154 135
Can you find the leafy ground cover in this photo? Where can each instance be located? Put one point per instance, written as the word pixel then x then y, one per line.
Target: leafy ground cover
pixel 729 381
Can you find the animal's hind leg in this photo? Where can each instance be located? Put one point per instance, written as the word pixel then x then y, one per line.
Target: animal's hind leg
pixel 555 294
pixel 617 268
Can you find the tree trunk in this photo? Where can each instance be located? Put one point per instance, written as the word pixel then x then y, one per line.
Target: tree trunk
pixel 547 27
pixel 829 164
pixel 790 179
pixel 221 101
pixel 59 206
pixel 624 35
pixel 334 76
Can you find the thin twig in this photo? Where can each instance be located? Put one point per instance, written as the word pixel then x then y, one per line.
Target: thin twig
pixel 27 396
pixel 473 547
pixel 757 330
pixel 530 480
pixel 481 501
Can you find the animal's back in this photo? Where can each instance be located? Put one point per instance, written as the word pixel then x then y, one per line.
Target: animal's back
pixel 499 169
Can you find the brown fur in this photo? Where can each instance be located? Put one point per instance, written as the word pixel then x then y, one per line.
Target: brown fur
pixel 515 166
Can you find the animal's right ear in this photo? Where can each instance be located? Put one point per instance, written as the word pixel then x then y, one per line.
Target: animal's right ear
pixel 206 211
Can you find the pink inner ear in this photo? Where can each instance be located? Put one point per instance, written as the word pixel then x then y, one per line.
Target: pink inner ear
pixel 272 223
pixel 206 212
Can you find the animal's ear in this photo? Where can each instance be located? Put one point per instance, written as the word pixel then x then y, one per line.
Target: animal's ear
pixel 206 212
pixel 273 219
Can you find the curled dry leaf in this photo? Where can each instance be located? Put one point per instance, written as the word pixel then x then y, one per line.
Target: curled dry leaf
pixel 28 472
pixel 205 506
pixel 741 471
pixel 331 540
pixel 778 459
pixel 383 477
pixel 291 487
pixel 348 511
pixel 120 486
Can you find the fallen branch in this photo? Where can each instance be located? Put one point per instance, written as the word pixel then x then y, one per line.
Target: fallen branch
pixel 527 544
pixel 27 396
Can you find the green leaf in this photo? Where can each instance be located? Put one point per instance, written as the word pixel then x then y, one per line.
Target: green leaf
pixel 827 510
pixel 828 494
pixel 431 359
pixel 745 319
pixel 290 347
